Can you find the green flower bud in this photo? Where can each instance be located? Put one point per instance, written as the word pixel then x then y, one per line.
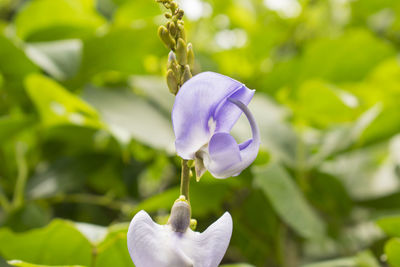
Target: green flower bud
pixel 172 82
pixel 181 30
pixel 181 52
pixel 164 35
pixel 190 56
pixel 172 28
pixel 186 74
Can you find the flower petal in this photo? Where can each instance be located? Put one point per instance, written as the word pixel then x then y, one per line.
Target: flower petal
pixel 223 153
pixel 151 244
pixel 225 157
pixel 208 248
pixel 200 100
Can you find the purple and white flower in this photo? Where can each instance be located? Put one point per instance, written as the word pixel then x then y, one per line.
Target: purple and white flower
pixel 206 108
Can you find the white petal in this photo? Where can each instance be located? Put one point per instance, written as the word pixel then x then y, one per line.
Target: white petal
pixel 208 248
pixel 151 244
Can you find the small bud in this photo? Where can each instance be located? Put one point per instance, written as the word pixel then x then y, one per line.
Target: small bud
pixel 181 52
pixel 173 64
pixel 167 15
pixel 186 74
pixel 180 13
pixel 181 31
pixel 180 215
pixel 193 224
pixel 166 37
pixel 172 28
pixel 172 82
pixel 190 56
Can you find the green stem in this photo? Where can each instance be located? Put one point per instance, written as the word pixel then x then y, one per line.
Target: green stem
pixel 19 190
pixel 4 201
pixel 185 179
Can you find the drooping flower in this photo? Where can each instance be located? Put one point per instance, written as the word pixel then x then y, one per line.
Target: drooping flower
pixel 205 110
pixel 174 244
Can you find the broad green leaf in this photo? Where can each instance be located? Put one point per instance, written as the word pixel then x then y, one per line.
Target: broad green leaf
pixel 113 251
pixel 288 201
pixel 322 105
pixel 19 263
pixel 57 106
pixel 137 13
pixel 14 64
pixel 390 225
pixel 61 59
pixel 164 200
pixel 10 126
pixel 339 59
pixel 128 115
pixel 44 20
pixel 392 251
pixel 343 59
pixel 123 50
pixel 59 243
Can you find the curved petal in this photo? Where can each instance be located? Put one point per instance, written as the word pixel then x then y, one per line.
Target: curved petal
pixel 208 248
pixel 201 99
pixel 223 153
pixel 225 157
pixel 151 244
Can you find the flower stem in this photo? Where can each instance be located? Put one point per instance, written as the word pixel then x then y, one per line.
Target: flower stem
pixel 19 191
pixel 185 179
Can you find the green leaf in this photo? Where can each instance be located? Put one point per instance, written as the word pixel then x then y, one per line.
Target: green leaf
pixel 44 20
pixel 59 243
pixel 61 59
pixel 57 106
pixel 10 127
pixel 390 225
pixel 113 251
pixel 19 263
pixel 122 50
pixel 392 251
pixel 288 201
pixel 131 116
pixel 14 64
pixel 320 104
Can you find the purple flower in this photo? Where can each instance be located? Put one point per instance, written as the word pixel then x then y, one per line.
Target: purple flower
pixel 151 244
pixel 205 110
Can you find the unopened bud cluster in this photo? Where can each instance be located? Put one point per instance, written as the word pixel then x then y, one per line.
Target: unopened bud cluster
pixel 181 57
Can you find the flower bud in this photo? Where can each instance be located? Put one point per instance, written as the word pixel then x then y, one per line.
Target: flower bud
pixel 172 82
pixel 181 52
pixel 180 215
pixel 186 74
pixel 167 39
pixel 190 56
pixel 172 28
pixel 181 30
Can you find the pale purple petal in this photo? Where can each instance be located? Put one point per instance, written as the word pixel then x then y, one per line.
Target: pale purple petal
pixel 151 244
pixel 208 248
pixel 202 100
pixel 225 157
pixel 223 153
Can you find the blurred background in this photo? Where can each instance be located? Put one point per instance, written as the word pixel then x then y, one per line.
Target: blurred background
pixel 86 139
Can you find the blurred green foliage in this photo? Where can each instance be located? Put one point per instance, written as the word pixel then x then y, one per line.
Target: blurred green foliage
pixel 86 139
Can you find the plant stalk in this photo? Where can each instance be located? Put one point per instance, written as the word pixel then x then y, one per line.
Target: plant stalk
pixel 185 179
